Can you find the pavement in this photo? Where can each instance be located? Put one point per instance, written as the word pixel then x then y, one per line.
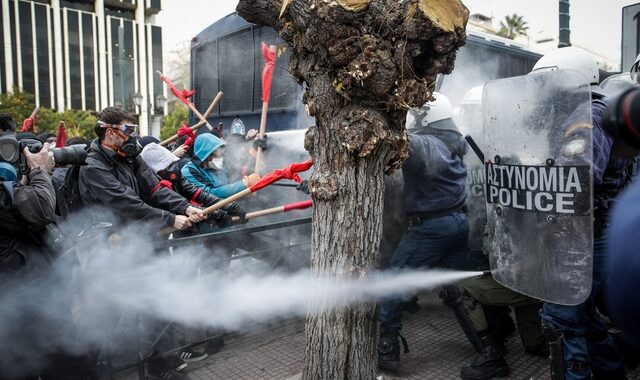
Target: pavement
pixel 438 351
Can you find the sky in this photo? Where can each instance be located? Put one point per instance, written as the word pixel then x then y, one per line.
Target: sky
pixel 595 24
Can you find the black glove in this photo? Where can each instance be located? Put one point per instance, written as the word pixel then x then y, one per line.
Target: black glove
pixel 304 187
pixel 221 218
pixel 260 143
pixel 234 209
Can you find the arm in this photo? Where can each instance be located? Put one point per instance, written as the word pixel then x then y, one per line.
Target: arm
pixel 193 193
pixel 36 202
pixel 105 188
pixel 162 197
pixel 193 175
pixel 417 153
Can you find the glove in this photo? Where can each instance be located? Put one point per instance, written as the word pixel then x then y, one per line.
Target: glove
pixel 304 187
pixel 260 143
pixel 221 218
pixel 234 209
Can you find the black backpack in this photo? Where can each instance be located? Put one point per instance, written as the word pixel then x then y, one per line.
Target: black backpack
pixel 68 192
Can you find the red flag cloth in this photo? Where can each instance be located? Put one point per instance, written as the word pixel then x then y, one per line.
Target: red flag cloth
pixel 61 137
pixel 290 172
pixel 161 184
pixel 182 95
pixel 298 205
pixel 27 124
pixel 269 55
pixel 186 131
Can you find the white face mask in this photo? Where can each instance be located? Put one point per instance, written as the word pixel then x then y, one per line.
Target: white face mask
pixel 216 163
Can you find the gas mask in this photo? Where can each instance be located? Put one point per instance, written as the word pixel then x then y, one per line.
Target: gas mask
pixel 171 173
pixel 9 156
pixel 130 148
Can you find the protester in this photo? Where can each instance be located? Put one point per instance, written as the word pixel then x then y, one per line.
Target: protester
pixel 7 123
pixel 117 179
pixel 207 171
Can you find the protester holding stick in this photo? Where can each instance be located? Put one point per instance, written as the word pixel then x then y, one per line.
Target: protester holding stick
pixel 206 170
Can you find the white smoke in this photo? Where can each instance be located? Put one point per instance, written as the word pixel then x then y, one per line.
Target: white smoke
pixel 83 301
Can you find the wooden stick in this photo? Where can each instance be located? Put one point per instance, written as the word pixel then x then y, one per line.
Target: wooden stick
pixel 215 207
pixel 263 128
pixel 255 214
pixel 195 127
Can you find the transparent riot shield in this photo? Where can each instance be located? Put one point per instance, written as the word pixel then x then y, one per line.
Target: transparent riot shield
pixel 469 121
pixel 538 154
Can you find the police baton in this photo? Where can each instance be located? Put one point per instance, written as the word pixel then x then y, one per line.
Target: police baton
pixel 475 147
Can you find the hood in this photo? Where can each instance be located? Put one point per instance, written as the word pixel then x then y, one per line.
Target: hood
pixel 157 157
pixel 205 145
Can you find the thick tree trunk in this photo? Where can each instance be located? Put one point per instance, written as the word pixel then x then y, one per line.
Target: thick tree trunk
pixel 348 206
pixel 364 62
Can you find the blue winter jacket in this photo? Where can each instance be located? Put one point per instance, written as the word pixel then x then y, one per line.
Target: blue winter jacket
pixel 212 181
pixel 434 174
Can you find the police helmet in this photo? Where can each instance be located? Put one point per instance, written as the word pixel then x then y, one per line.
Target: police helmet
pixel 432 114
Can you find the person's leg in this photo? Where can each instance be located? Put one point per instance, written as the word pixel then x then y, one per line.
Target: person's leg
pixel 607 361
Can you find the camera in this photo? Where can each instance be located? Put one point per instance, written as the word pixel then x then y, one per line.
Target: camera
pixel 68 155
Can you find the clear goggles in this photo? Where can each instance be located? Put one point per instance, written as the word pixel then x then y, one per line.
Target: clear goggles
pixel 127 129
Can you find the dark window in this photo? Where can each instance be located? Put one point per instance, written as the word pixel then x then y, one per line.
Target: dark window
pixel 129 65
pixel 118 63
pixel 155 4
pixel 12 20
pixel 284 89
pixel 78 5
pixel 89 61
pixel 3 67
pixel 44 76
pixel 26 46
pixel 236 65
pixel 119 13
pixel 73 46
pixel 156 59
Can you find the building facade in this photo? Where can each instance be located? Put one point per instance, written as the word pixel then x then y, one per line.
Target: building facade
pixel 83 54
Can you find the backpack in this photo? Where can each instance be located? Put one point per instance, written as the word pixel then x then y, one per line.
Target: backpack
pixel 68 192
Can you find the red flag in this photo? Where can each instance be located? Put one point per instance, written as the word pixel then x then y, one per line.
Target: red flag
pixel 290 172
pixel 61 137
pixel 186 131
pixel 298 205
pixel 27 124
pixel 269 55
pixel 183 95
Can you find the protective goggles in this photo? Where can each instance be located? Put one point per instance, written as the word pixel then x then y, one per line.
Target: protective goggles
pixel 127 129
pixel 9 148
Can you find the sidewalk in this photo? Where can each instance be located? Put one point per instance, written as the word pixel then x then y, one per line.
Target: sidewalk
pixel 438 351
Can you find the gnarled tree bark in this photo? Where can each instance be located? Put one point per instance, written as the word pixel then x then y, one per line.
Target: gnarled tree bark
pixel 364 64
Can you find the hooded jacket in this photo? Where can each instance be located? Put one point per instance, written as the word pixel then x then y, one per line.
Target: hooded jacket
pixel 215 182
pixel 24 213
pixel 128 188
pixel 434 174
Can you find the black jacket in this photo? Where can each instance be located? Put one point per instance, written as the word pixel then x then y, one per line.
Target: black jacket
pixel 194 194
pixel 24 213
pixel 128 188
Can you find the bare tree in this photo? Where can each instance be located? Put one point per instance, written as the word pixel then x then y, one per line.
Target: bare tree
pixel 364 63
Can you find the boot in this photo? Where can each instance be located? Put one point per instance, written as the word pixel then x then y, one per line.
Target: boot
pixel 389 349
pixel 490 363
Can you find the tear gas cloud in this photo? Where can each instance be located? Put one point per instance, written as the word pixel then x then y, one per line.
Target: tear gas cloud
pixel 84 301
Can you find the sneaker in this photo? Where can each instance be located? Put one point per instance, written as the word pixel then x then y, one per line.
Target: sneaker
pixel 190 356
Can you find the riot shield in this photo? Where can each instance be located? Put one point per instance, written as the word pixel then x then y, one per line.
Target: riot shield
pixel 538 154
pixel 469 121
